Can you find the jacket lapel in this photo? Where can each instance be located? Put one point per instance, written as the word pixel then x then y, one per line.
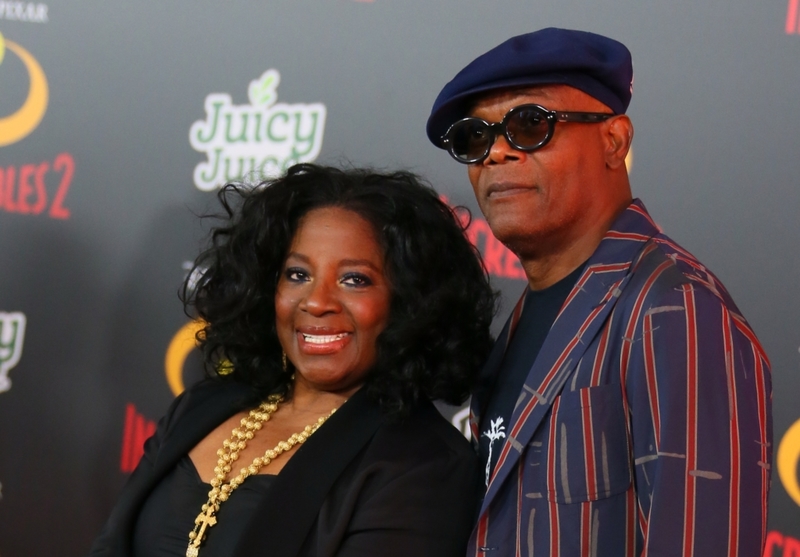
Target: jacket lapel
pixel 308 477
pixel 205 410
pixel 581 318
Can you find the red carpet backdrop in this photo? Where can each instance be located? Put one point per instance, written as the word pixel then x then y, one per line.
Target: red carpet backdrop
pixel 119 120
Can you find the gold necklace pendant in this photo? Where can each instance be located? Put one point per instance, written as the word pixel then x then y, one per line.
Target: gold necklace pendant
pixel 204 520
pixel 229 453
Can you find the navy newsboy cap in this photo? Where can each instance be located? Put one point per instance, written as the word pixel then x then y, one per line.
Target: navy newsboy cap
pixel 598 66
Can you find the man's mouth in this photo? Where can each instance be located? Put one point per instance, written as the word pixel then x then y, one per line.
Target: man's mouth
pixel 506 189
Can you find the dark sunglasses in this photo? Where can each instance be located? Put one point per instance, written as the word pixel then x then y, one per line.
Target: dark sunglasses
pixel 527 127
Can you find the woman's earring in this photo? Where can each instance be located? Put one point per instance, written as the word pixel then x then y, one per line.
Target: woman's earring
pixel 225 367
pixel 284 362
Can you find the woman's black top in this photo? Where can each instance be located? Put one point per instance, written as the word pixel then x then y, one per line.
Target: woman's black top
pixel 361 485
pixel 167 517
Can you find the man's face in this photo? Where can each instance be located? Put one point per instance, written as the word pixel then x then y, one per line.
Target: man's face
pixel 540 202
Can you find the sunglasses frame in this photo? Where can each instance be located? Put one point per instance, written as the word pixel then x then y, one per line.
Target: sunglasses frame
pixel 496 128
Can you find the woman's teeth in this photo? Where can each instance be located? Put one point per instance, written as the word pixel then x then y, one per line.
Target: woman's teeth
pixel 323 339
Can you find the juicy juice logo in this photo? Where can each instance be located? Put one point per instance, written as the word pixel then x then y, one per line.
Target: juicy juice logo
pixel 257 140
pixel 12 333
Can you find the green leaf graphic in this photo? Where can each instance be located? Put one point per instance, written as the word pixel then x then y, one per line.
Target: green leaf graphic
pixel 262 91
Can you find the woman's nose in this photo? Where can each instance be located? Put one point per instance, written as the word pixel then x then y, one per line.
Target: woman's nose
pixel 321 298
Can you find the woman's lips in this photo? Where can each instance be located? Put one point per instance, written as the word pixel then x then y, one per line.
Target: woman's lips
pixel 318 344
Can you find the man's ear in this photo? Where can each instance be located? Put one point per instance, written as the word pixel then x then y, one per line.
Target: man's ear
pixel 618 137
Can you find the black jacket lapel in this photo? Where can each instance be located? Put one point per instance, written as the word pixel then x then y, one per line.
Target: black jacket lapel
pixel 304 483
pixel 202 411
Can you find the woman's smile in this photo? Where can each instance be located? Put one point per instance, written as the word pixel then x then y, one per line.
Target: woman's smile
pixel 321 344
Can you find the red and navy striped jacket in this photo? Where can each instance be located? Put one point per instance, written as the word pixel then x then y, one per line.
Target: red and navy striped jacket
pixel 651 431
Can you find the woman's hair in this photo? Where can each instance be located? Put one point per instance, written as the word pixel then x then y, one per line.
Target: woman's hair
pixel 437 335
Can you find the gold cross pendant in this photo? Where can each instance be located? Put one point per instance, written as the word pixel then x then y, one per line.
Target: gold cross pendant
pixel 204 520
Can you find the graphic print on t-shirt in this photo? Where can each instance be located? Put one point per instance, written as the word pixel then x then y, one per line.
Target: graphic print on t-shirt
pixel 496 431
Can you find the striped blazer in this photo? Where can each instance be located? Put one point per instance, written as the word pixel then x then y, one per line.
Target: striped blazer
pixel 651 431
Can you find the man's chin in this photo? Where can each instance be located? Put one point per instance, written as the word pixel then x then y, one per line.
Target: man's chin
pixel 514 238
pixel 512 228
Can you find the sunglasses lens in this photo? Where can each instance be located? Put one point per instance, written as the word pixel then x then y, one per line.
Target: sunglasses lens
pixel 527 128
pixel 469 139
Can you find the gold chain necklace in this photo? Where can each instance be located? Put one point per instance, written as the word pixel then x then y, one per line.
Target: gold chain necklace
pixel 229 453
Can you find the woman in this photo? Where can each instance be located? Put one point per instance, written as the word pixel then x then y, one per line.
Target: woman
pixel 338 303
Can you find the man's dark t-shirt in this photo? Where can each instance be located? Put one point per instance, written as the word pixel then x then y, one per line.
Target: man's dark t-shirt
pixel 539 314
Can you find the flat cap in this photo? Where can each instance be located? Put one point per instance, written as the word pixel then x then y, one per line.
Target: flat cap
pixel 598 66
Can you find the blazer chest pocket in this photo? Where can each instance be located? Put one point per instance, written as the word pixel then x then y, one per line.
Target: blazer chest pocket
pixel 586 454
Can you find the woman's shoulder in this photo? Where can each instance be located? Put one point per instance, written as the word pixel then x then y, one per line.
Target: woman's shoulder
pixel 211 391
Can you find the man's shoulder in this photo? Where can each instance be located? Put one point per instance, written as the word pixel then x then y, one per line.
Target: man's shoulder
pixel 659 264
pixel 666 271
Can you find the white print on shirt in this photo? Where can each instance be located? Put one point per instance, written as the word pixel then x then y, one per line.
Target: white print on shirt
pixel 495 432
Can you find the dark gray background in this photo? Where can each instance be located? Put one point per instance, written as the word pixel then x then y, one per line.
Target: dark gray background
pixel 716 113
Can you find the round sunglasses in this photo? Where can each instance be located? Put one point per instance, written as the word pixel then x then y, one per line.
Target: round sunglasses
pixel 527 127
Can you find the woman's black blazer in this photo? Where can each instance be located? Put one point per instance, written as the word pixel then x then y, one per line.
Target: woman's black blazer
pixel 359 486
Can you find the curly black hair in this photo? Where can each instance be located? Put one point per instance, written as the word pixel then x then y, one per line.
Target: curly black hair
pixel 442 305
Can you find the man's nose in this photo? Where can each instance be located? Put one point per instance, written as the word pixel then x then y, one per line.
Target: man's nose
pixel 501 151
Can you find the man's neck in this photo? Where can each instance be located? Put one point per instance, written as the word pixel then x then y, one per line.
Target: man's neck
pixel 545 271
pixel 545 267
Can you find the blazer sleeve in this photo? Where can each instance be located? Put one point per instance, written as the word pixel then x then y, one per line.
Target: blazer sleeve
pixel 114 538
pixel 410 496
pixel 699 392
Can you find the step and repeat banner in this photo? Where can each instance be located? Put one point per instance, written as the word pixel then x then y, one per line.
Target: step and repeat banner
pixel 119 121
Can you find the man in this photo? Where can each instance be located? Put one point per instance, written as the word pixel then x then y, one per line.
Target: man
pixel 625 410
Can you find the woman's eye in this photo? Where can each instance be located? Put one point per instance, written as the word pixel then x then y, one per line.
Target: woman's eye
pixel 356 279
pixel 294 274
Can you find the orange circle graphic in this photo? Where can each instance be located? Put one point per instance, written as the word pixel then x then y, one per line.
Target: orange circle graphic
pixel 18 125
pixel 788 459
pixel 179 347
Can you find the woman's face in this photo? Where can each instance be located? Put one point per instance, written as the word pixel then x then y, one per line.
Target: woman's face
pixel 332 299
